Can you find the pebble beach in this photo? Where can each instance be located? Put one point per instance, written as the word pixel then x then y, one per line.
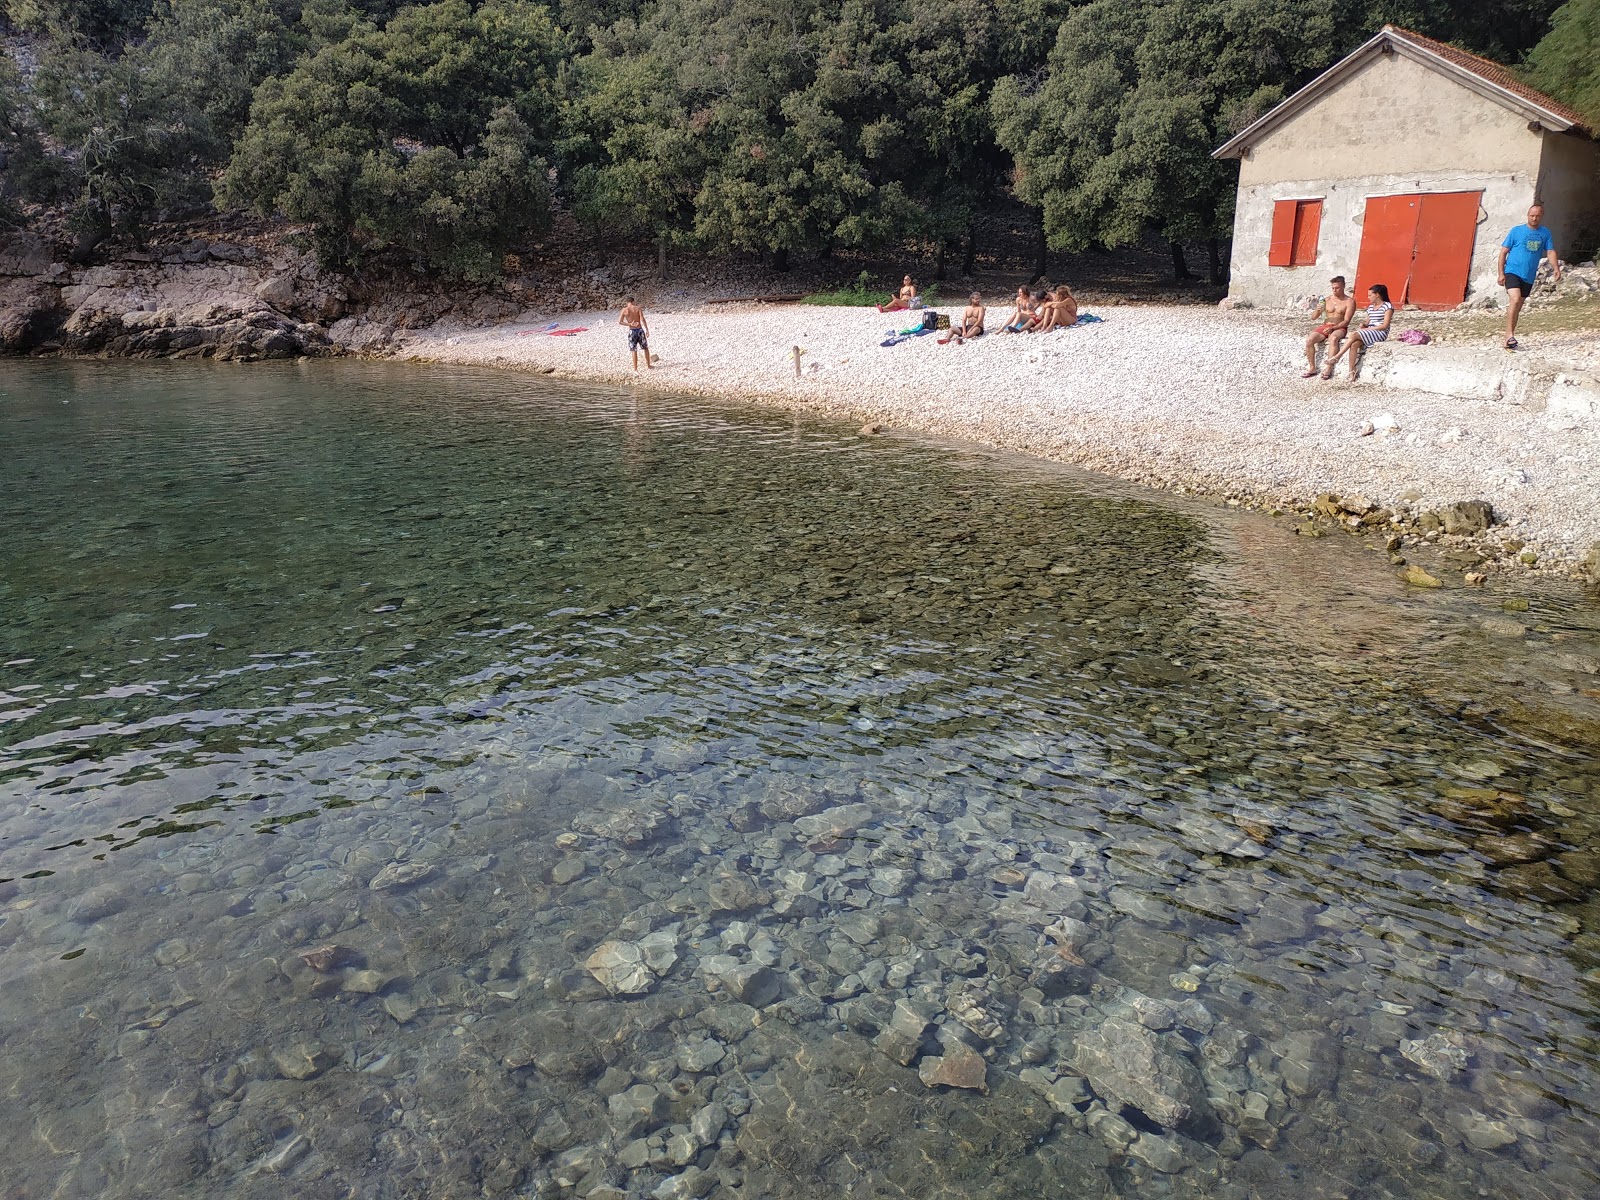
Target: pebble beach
pixel 1173 397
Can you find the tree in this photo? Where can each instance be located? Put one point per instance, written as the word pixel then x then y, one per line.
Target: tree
pixel 1503 31
pixel 427 138
pixel 1115 141
pixel 130 150
pixel 214 53
pixel 97 24
pixel 1566 64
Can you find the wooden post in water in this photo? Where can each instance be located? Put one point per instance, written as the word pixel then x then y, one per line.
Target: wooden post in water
pixel 797 353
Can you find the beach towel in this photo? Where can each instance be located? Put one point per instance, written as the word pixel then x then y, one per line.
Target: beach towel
pixel 566 332
pixel 546 329
pixel 1415 337
pixel 1083 319
pixel 904 335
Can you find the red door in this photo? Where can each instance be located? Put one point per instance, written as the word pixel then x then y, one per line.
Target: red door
pixel 1388 243
pixel 1446 231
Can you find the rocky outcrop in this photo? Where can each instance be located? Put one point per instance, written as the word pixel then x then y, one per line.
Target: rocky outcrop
pixel 196 299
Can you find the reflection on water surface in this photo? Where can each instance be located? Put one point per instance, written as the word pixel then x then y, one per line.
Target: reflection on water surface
pixel 429 783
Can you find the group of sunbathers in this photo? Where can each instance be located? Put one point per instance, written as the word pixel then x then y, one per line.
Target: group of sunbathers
pixel 1032 314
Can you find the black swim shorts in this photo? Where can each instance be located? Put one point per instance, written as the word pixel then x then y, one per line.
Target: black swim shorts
pixel 636 339
pixel 1516 283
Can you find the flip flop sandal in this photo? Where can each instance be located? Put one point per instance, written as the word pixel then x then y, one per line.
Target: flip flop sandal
pixel 1511 343
pixel 1309 374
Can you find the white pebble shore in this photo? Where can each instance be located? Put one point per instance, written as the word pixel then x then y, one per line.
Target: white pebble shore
pixel 1177 397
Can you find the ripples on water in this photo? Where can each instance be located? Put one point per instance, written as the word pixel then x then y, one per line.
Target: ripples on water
pixel 467 676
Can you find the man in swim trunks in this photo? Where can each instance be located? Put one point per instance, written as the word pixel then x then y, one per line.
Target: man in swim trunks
pixel 971 321
pixel 1335 312
pixel 1519 265
pixel 633 317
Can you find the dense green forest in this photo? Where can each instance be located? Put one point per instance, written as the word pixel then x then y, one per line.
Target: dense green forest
pixel 438 137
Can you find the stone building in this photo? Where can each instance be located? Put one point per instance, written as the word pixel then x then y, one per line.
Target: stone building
pixel 1405 164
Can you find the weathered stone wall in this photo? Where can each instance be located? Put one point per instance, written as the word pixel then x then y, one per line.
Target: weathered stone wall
pixel 1569 185
pixel 1393 127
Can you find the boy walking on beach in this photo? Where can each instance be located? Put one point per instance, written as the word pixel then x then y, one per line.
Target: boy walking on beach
pixel 638 327
pixel 1520 253
pixel 1335 312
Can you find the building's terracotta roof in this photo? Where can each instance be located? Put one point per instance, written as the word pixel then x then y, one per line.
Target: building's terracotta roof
pixel 1492 71
pixel 1481 75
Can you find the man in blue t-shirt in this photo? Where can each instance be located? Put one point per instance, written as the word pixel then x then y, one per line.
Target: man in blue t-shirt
pixel 1519 265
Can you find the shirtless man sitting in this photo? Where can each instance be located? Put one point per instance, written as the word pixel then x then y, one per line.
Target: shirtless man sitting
pixel 971 321
pixel 1334 312
pixel 904 299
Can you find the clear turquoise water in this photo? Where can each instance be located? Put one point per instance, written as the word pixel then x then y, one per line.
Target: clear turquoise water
pixel 468 675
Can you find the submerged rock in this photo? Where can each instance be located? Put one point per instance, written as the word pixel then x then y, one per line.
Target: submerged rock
pixel 959 1067
pixel 1129 1064
pixel 620 968
pixel 401 875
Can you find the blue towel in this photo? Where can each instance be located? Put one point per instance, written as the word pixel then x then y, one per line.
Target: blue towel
pixel 905 335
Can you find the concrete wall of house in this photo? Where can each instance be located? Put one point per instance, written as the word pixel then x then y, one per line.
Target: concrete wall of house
pixel 1569 185
pixel 1395 126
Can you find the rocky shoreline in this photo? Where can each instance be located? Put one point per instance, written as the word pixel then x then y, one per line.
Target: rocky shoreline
pixel 1218 412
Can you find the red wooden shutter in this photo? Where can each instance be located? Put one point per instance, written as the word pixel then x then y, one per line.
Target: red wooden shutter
pixel 1281 252
pixel 1307 229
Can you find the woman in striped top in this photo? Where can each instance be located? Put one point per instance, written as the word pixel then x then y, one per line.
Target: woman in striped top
pixel 1379 315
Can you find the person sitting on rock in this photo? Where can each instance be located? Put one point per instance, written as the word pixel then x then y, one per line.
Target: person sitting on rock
pixel 1022 314
pixel 1335 310
pixel 905 298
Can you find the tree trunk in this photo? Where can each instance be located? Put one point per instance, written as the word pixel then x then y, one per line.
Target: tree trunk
pixel 1180 265
pixel 1041 252
pixel 780 259
pixel 661 255
pixel 89 239
pixel 938 262
pixel 969 257
pixel 1214 246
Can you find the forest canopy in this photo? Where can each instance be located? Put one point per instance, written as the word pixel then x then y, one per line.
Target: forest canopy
pixel 439 137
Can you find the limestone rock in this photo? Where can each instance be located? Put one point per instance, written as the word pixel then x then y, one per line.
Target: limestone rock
pixel 1130 1065
pixel 1308 1061
pixel 960 1067
pixel 620 968
pixel 701 1056
pixel 735 893
pixel 1442 1055
pixel 278 291
pixel 1468 516
pixel 401 875
pixel 329 958
pixel 637 1110
pixel 1417 577
pixel 690 1184
pixel 303 1060
pixel 1164 1154
pixel 748 983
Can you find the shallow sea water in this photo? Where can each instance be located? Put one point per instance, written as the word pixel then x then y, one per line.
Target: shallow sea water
pixel 436 783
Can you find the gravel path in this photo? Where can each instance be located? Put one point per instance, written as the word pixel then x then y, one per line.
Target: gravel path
pixel 1168 396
